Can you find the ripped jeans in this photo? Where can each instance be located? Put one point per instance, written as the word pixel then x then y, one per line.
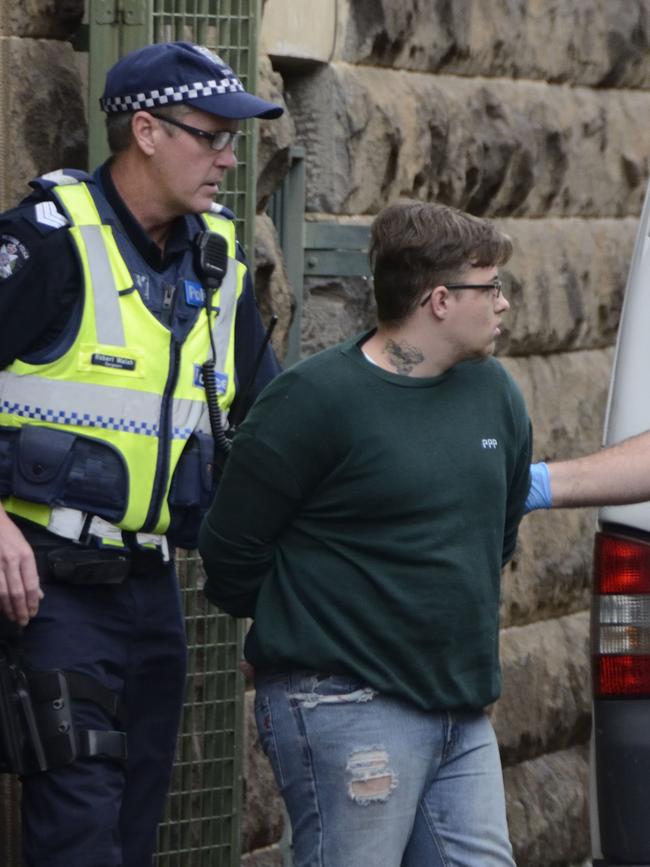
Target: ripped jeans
pixel 369 779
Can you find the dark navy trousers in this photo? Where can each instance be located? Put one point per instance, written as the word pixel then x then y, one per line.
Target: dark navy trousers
pixel 131 637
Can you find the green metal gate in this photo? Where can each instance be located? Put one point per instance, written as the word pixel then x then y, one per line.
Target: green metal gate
pixel 203 822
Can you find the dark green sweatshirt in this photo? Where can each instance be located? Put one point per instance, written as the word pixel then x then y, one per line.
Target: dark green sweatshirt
pixel 363 519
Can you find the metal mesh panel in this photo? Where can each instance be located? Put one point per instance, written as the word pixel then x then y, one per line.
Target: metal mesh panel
pixel 202 823
pixel 228 27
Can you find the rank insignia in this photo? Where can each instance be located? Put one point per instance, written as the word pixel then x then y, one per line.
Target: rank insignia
pixel 13 255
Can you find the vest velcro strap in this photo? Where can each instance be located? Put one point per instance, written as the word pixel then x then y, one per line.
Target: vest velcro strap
pixel 93 743
pixel 87 688
pixel 45 686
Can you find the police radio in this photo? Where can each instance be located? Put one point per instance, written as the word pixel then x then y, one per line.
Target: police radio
pixel 211 264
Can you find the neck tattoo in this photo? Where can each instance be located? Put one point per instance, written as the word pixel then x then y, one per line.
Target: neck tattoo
pixel 402 356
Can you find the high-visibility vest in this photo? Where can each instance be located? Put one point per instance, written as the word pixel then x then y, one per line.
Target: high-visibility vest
pixel 124 405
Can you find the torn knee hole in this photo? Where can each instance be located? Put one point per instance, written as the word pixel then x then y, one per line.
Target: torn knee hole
pixel 375 788
pixel 370 777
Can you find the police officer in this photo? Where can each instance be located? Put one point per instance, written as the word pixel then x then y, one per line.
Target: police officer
pixel 106 438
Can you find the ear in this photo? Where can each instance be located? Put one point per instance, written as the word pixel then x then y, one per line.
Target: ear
pixel 440 302
pixel 145 130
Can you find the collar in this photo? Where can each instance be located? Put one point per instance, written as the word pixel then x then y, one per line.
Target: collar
pixel 179 237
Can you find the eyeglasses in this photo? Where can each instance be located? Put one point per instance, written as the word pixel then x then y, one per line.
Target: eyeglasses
pixel 495 286
pixel 218 140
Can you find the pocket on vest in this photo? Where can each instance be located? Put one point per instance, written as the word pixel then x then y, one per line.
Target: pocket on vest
pixel 59 468
pixel 191 490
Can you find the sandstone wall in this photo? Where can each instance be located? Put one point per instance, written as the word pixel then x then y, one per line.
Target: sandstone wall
pixel 533 113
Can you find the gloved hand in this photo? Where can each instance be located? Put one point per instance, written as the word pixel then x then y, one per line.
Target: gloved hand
pixel 539 493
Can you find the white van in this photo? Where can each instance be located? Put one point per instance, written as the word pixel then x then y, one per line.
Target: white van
pixel 620 626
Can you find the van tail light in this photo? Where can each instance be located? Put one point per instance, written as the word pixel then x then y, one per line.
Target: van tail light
pixel 620 624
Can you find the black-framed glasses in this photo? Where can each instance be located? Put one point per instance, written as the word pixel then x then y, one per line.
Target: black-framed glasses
pixel 496 286
pixel 218 140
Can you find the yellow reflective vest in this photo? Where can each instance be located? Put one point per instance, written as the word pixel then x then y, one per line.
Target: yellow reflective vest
pixel 105 427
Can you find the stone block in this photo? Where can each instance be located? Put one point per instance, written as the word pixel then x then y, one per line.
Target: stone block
pixel 275 136
pixel 495 148
pixel 565 283
pixel 545 700
pixel 262 812
pixel 550 571
pixel 271 856
pixel 41 19
pixel 294 34
pixel 547 809
pixel 595 42
pixel 566 394
pixel 274 292
pixel 333 310
pixel 42 119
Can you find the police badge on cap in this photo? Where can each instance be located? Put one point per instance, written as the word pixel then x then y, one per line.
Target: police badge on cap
pixel 169 73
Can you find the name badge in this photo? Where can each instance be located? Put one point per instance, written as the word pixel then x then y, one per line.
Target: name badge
pixel 100 359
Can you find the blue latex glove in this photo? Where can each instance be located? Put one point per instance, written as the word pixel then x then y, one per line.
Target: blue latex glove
pixel 539 493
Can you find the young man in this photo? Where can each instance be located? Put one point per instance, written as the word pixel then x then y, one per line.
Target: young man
pixel 367 507
pixel 106 449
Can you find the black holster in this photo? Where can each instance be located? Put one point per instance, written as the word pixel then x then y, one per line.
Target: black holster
pixel 37 730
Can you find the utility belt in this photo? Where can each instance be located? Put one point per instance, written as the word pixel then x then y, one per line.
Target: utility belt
pixel 86 528
pixel 78 548
pixel 37 730
pixel 48 466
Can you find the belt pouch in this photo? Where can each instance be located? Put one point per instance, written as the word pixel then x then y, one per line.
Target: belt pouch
pixel 41 464
pixel 73 565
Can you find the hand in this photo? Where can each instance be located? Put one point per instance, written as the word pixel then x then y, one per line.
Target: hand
pixel 20 591
pixel 247 670
pixel 539 493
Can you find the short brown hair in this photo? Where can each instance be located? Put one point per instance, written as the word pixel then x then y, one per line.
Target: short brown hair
pixel 118 124
pixel 415 246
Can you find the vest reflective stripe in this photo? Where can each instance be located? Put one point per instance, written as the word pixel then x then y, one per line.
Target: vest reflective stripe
pixel 222 329
pixel 109 385
pixel 80 404
pixel 108 319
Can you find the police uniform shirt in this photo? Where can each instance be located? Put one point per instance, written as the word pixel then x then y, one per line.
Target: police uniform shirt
pixel 40 280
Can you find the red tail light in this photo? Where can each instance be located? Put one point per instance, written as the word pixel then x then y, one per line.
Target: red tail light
pixel 621 618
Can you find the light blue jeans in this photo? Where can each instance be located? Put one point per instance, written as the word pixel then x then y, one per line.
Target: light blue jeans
pixel 369 779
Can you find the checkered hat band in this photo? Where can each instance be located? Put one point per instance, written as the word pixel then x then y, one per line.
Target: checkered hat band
pixel 171 95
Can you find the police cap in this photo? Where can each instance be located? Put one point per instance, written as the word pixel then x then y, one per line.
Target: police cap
pixel 168 73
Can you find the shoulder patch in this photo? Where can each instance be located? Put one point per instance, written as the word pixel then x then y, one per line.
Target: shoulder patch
pixel 47 214
pixel 13 256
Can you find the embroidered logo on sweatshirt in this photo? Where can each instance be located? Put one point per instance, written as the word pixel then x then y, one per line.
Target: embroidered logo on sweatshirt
pixel 489 443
